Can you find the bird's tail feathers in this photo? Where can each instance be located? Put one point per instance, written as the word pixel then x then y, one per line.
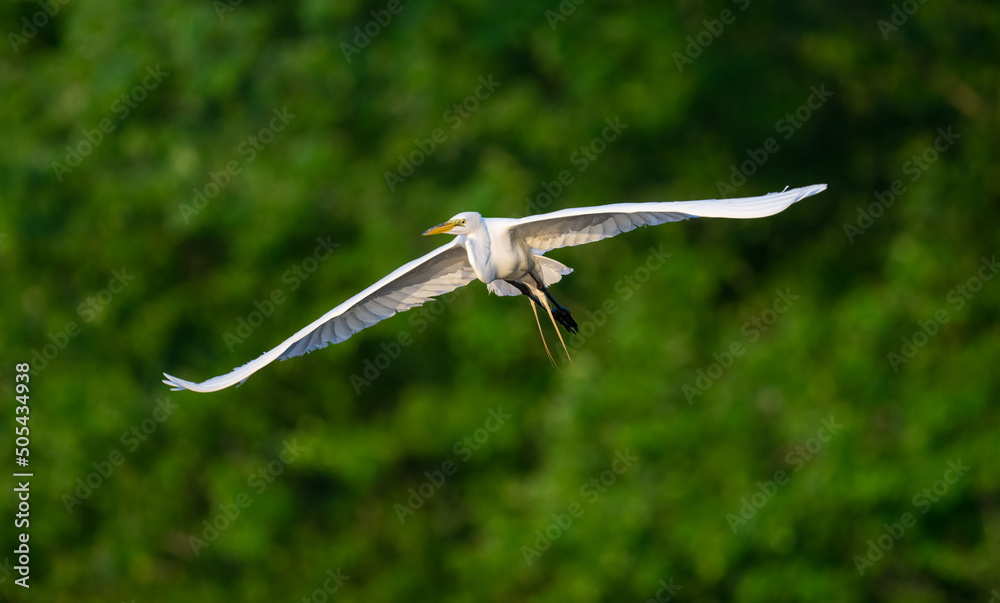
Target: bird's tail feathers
pixel 551 270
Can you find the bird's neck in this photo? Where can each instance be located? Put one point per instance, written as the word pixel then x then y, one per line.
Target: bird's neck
pixel 479 246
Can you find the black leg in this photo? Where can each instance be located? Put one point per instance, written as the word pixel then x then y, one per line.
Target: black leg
pixel 559 311
pixel 527 292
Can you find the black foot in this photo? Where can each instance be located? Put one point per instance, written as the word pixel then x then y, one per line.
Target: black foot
pixel 560 313
pixel 563 317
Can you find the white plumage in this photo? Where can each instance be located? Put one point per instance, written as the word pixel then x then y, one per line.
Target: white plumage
pixel 504 253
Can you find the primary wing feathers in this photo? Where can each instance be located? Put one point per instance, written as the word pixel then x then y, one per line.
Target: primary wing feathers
pixel 581 225
pixel 413 284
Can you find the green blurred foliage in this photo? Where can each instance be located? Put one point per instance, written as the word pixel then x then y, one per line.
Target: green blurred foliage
pixel 335 504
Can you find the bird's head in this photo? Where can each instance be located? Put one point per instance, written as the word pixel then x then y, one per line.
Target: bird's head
pixel 466 222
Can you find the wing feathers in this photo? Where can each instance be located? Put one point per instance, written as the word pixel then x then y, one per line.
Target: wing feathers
pixel 577 226
pixel 413 284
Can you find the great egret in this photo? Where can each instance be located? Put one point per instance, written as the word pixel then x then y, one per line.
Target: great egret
pixel 505 253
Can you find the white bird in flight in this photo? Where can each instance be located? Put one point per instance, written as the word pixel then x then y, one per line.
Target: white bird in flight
pixel 505 253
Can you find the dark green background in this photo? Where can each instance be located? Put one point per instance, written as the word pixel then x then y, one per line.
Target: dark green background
pixel 333 505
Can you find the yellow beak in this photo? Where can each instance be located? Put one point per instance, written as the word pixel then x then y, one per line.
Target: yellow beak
pixel 440 228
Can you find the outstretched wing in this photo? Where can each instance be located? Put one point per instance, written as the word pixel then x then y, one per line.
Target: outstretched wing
pixel 440 271
pixel 588 224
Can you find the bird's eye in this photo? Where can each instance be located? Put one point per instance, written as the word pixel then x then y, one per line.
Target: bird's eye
pixel 462 223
